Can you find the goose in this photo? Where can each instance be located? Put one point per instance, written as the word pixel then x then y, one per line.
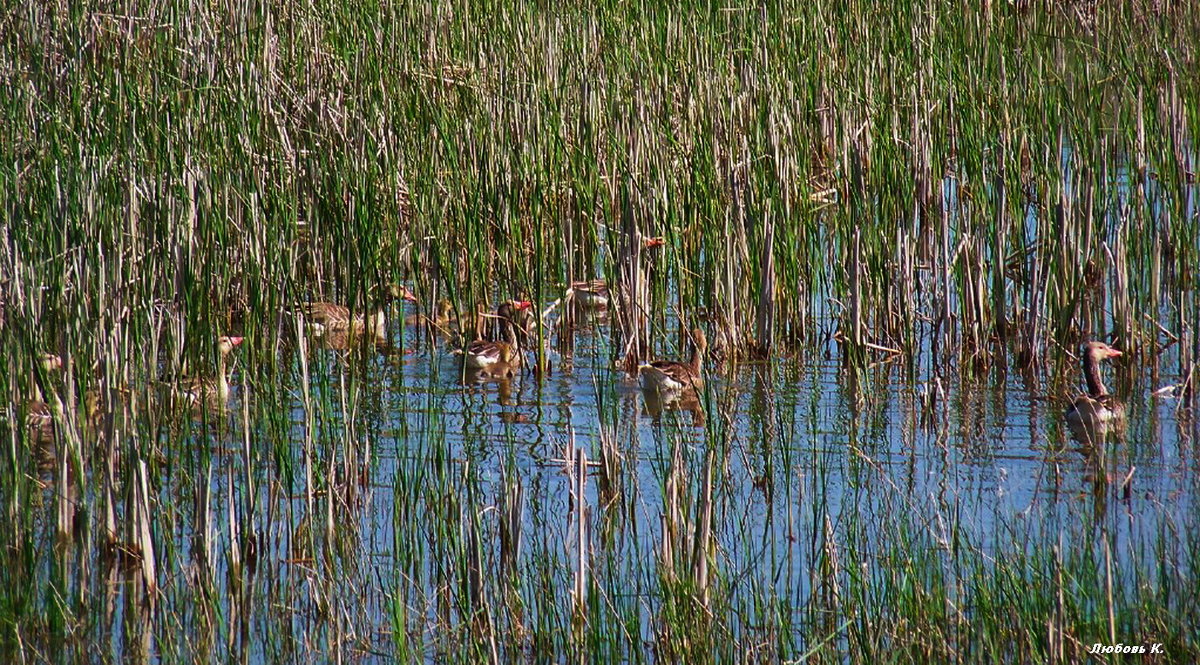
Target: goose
pixel 498 358
pixel 1096 410
pixel 329 317
pixel 39 416
pixel 594 293
pixel 669 377
pixel 200 389
pixel 40 413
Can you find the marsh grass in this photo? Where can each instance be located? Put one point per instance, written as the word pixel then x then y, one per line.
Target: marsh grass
pixel 955 192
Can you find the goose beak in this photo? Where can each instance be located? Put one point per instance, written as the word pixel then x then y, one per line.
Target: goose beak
pixel 522 304
pixel 657 241
pixel 407 294
pixel 236 340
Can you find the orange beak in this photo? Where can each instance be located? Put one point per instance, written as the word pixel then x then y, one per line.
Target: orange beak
pixel 1113 353
pixel 236 340
pixel 658 241
pixel 522 304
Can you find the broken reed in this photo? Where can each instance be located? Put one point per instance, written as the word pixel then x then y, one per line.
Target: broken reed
pixel 1001 182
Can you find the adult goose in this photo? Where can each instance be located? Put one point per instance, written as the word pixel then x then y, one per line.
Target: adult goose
pixel 198 390
pixel 39 416
pixel 39 412
pixel 594 294
pixel 328 317
pixel 669 377
pixel 1096 411
pixel 498 358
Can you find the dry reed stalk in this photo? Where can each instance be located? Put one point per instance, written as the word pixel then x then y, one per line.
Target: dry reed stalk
pixel 857 337
pixel 1110 606
pixel 703 543
pixel 1058 620
pixel 906 302
pixel 203 543
pixel 309 422
pixel 633 292
pixel 567 320
pixel 831 572
pixel 733 292
pixel 331 460
pixel 1139 146
pixel 578 489
pixel 67 451
pixel 943 328
pixel 610 467
pixel 108 491
pixel 234 529
pixel 1122 310
pixel 143 527
pixel 765 324
pixel 972 315
pixel 999 250
pixel 248 482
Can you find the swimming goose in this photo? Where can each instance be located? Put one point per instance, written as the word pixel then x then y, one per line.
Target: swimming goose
pixel 498 357
pixel 328 317
pixel 198 389
pixel 594 294
pixel 39 417
pixel 1097 409
pixel 673 377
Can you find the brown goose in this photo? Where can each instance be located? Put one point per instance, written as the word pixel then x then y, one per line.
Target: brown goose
pixel 672 377
pixel 328 317
pixel 594 294
pixel 498 357
pixel 1096 410
pixel 199 389
pixel 40 413
pixel 39 417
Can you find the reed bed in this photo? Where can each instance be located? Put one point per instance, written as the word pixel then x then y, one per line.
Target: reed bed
pixel 936 195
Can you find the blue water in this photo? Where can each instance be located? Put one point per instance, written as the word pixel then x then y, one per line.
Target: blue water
pixel 811 462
